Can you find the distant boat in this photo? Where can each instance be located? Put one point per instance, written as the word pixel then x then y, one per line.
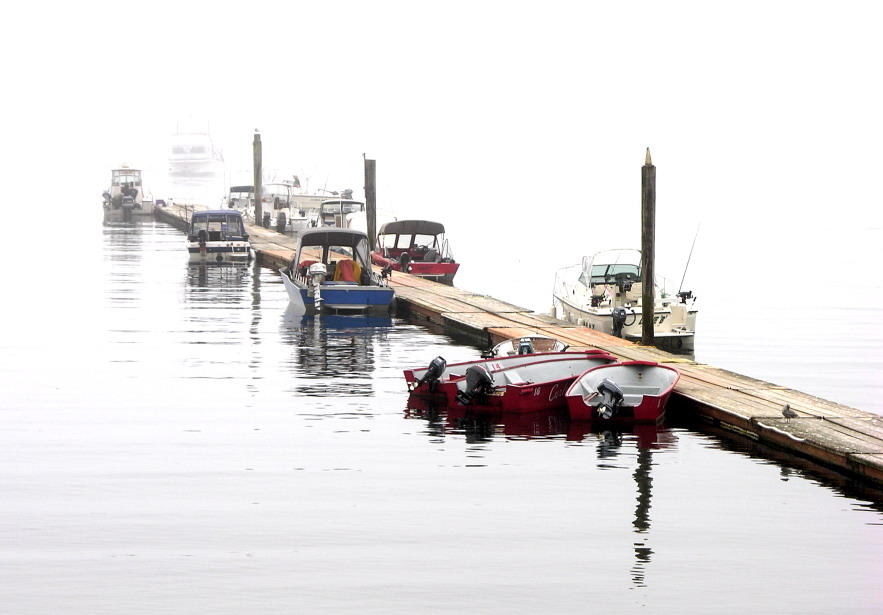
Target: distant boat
pixel 218 236
pixel 331 272
pixel 194 155
pixel 418 247
pixel 335 212
pixel 124 199
pixel 630 391
pixel 604 292
pixel 519 383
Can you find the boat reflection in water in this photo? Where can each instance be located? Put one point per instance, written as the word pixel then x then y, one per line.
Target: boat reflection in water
pixel 624 442
pixel 334 355
pixel 205 279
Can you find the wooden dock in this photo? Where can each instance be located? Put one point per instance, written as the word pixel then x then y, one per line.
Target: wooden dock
pixel 834 435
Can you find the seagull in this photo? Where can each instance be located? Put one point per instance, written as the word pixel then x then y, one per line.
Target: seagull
pixel 788 413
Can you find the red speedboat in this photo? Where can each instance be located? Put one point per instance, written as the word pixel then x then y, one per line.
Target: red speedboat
pixel 519 383
pixel 417 247
pixel 629 391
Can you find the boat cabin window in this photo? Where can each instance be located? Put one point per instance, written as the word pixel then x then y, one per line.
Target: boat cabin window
pixel 606 274
pixel 217 223
pixel 132 178
pixel 424 240
pixel 189 149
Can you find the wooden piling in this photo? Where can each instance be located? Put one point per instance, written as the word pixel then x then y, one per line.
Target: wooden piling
pixel 648 240
pixel 371 200
pixel 258 188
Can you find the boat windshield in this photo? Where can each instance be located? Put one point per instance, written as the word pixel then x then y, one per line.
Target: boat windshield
pixel 335 208
pixel 225 224
pixel 607 274
pixel 126 176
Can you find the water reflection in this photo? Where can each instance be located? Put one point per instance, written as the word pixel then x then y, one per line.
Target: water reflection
pixel 619 444
pixel 334 355
pixel 205 280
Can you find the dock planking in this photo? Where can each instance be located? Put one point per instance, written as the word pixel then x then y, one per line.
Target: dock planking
pixel 847 439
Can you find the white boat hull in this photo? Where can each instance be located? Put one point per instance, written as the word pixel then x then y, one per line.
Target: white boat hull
pixel 667 334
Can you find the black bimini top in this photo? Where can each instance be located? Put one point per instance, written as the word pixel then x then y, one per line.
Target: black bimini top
pixel 332 237
pixel 412 227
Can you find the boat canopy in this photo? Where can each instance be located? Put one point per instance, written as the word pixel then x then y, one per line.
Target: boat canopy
pixel 227 223
pixel 412 227
pixel 354 241
pixel 602 268
pixel 241 188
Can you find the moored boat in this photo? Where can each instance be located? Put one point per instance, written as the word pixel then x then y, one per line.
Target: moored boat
pixel 604 292
pixel 330 271
pixel 218 236
pixel 519 383
pixel 124 200
pixel 528 344
pixel 418 247
pixel 629 391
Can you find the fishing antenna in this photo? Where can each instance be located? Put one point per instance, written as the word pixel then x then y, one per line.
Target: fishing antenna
pixel 683 277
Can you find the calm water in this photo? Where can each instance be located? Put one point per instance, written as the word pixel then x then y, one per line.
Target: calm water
pixel 173 441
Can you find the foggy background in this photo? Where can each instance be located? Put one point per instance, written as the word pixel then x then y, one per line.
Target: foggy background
pixel 520 126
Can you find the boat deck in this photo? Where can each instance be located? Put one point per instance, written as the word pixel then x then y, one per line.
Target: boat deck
pixel 828 433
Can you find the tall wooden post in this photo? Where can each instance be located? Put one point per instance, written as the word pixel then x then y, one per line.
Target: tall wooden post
pixel 371 200
pixel 258 188
pixel 648 240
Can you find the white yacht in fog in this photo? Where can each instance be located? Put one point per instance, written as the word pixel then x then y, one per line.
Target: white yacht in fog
pixel 194 155
pixel 604 293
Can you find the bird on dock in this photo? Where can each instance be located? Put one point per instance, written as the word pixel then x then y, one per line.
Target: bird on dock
pixel 788 413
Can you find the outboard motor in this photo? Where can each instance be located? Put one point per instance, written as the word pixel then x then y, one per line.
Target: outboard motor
pixel 433 373
pixel 405 261
pixel 478 381
pixel 525 346
pixel 619 315
pixel 611 398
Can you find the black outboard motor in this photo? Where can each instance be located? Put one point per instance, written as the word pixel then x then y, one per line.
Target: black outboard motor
pixel 525 346
pixel 611 398
pixel 433 373
pixel 478 381
pixel 619 315
pixel 405 261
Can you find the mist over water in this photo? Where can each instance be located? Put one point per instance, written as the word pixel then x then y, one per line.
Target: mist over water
pixel 192 445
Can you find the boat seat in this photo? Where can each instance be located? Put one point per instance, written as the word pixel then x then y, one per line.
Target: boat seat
pixel 631 400
pixel 347 271
pixel 512 376
pixel 639 390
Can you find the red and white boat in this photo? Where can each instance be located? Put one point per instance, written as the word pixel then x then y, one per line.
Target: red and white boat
pixel 629 391
pixel 518 383
pixel 417 247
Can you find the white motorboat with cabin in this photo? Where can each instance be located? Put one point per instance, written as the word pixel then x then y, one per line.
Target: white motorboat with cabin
pixel 125 198
pixel 218 236
pixel 604 293
pixel 339 212
pixel 193 155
